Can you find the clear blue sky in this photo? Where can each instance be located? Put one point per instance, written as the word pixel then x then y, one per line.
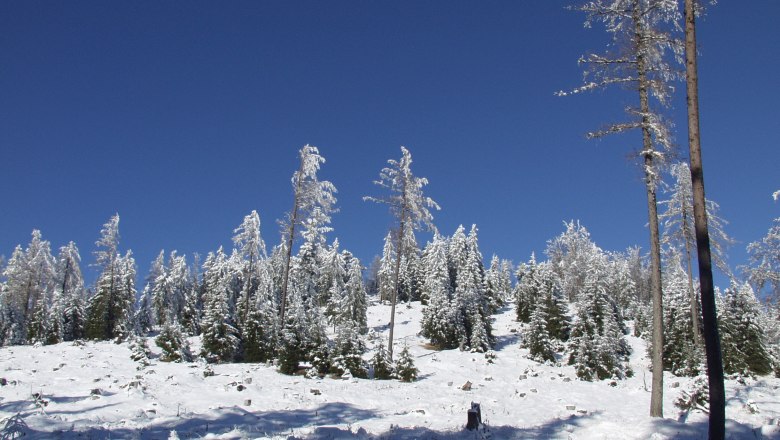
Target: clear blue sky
pixel 185 116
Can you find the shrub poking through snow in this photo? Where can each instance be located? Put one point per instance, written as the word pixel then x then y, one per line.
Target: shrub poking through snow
pixel 139 351
pixel 696 397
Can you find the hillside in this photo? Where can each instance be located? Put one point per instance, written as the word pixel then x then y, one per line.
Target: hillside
pixel 95 391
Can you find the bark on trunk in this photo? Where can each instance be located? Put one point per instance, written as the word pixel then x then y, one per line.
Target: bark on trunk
pixel 717 427
pixel 290 239
pixel 657 393
pixel 397 271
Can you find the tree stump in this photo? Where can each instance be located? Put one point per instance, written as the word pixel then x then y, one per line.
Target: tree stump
pixel 474 417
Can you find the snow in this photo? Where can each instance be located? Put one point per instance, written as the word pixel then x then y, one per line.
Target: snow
pixel 95 391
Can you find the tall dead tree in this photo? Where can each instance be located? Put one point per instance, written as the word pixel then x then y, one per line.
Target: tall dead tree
pixel 410 208
pixel 641 34
pixel 717 428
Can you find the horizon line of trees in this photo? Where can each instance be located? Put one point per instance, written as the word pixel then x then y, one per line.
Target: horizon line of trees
pixel 575 304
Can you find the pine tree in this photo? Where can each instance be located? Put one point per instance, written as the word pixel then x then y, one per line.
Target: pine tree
pixel 525 290
pixel 355 303
pixel 383 367
pixel 220 337
pixel 16 273
pixel 110 310
pixel 348 352
pixel 598 349
pixel 174 345
pixel 494 287
pixel 743 339
pixel 437 321
pixel 537 340
pixel 681 354
pixel 385 273
pixel 404 366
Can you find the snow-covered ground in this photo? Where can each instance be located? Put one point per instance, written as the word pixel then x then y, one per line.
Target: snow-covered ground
pixel 94 391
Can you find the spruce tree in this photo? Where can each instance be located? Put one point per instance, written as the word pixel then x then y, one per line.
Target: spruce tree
pixel 404 366
pixel 438 316
pixel 220 337
pixel 537 340
pixel 174 345
pixel 744 342
pixel 383 367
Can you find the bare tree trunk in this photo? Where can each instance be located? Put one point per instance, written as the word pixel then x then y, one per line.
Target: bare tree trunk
pixel 717 428
pixel 694 298
pixel 290 239
pixel 657 393
pixel 397 272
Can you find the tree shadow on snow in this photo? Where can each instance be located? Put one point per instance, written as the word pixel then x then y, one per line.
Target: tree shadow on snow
pixel 261 424
pixel 506 340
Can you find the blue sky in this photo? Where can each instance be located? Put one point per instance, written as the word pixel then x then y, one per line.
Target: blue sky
pixel 185 116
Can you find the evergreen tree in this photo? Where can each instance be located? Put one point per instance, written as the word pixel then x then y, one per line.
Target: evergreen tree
pixel 220 337
pixel 438 317
pixel 259 332
pixel 14 329
pixel 109 311
pixel 744 342
pixel 385 273
pixel 175 347
pixel 537 340
pixel 383 367
pixel 527 290
pixel 495 289
pixel 348 352
pixel 355 304
pixel 404 366
pixel 681 352
pixel 598 349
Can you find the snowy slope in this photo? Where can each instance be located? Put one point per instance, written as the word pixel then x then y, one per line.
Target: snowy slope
pixel 95 391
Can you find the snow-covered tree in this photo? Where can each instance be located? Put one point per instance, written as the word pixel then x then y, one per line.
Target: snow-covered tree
pixel 220 337
pixel 743 339
pixel 16 273
pixel 537 339
pixel 313 203
pixel 438 322
pixel 410 208
pixel 496 286
pixel 71 293
pixel 682 354
pixel 572 256
pixel 110 309
pixel 679 233
pixel 405 370
pixel 386 267
pixel 598 349
pixel 641 34
pixel 174 345
pixel 383 367
pixel 354 303
pixel 348 352
pixel 527 290
pixel 251 249
pixel 763 272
